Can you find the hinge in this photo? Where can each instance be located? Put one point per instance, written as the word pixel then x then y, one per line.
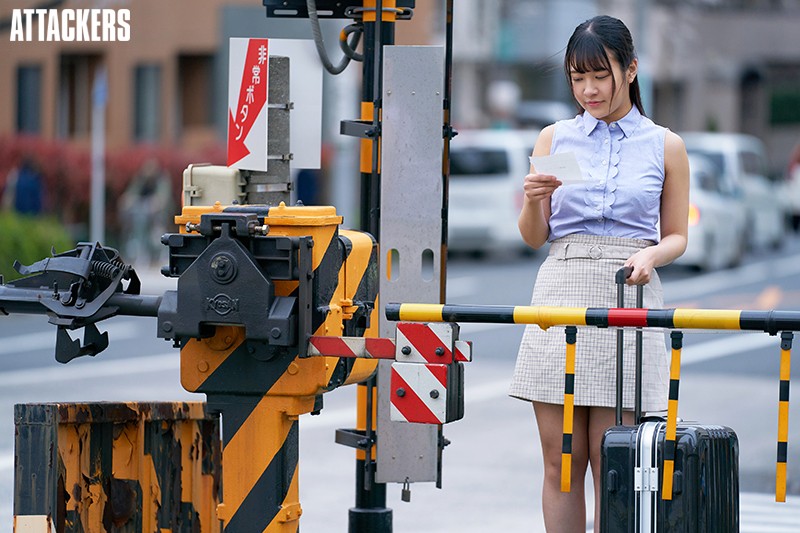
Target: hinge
pixel 645 479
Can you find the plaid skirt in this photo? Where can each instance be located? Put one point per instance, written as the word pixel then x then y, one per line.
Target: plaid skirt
pixel 579 272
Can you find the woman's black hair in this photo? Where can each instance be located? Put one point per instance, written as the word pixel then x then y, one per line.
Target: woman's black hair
pixel 588 46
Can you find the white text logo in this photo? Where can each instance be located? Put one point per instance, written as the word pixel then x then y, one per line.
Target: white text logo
pixel 71 25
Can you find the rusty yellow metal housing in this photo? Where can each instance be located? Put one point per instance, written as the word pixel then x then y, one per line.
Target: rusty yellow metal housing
pixel 128 467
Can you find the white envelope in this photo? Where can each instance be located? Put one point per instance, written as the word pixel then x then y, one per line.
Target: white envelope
pixel 563 166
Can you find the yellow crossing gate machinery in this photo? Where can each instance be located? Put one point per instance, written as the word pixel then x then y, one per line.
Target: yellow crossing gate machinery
pixel 286 273
pixel 257 281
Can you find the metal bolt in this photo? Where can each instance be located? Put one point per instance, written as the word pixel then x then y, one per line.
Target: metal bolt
pixel 275 332
pixel 434 394
pixel 167 326
pixel 260 229
pixel 223 268
pixel 401 392
pixel 406 350
pixel 439 351
pixel 202 366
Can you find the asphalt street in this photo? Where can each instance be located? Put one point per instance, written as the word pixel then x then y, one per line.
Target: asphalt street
pixel 492 470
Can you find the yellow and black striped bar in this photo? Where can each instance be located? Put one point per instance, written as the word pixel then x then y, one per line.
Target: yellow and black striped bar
pixel 569 409
pixel 676 338
pixel 770 322
pixel 783 416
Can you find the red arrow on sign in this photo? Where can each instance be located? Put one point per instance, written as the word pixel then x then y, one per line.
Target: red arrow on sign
pixel 252 99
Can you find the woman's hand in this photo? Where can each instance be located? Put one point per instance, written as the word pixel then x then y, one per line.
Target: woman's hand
pixel 540 187
pixel 643 262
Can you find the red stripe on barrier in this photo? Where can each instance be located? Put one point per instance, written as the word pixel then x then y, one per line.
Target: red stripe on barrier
pixel 333 346
pixel 461 357
pixel 439 372
pixel 627 317
pixel 380 348
pixel 410 405
pixel 424 340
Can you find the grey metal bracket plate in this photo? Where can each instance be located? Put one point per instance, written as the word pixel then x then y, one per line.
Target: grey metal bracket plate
pixel 411 231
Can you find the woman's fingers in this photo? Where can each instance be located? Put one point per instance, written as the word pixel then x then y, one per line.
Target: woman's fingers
pixel 540 186
pixel 639 276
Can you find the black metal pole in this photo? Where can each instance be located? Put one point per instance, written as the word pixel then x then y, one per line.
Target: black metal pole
pixel 370 514
pixel 448 133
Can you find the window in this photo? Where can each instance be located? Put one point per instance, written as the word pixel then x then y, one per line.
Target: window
pixel 77 73
pixel 752 163
pixel 195 90
pixel 478 162
pixel 147 103
pixel 29 98
pixel 783 93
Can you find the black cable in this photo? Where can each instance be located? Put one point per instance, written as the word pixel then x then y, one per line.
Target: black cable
pixel 349 48
pixel 311 5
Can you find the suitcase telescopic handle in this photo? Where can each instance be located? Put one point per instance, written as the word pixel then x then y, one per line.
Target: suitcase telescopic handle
pixel 623 274
pixel 621 277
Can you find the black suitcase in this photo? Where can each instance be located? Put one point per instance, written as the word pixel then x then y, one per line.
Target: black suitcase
pixel 705 480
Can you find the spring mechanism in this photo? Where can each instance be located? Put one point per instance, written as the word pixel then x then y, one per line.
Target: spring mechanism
pixel 125 268
pixel 105 270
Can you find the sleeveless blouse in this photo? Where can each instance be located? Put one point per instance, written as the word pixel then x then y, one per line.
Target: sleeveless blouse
pixel 623 165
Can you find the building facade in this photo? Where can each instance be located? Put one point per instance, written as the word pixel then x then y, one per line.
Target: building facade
pixel 167 84
pixel 729 65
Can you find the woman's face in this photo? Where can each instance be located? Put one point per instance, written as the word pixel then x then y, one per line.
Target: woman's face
pixel 594 90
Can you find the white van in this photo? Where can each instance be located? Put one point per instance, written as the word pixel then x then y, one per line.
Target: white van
pixel 487 170
pixel 742 162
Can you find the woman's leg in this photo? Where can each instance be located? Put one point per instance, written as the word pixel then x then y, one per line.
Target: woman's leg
pixel 564 512
pixel 600 419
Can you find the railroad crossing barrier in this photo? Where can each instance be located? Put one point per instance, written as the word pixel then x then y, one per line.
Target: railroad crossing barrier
pixel 771 322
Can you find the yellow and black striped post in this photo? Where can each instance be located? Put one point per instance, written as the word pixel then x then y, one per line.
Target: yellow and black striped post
pixel 569 409
pixel 672 414
pixel 262 392
pixel 783 416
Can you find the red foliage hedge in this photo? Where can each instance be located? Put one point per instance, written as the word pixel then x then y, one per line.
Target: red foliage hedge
pixel 66 174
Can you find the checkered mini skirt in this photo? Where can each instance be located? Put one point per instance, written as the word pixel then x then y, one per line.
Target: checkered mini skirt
pixel 579 272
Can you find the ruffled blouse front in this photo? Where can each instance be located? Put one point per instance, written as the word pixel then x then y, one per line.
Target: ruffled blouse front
pixel 623 163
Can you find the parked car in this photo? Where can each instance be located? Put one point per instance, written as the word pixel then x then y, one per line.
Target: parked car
pixel 742 163
pixel 487 168
pixel 717 219
pixel 541 113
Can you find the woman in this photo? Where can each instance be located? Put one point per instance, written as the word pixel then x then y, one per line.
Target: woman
pixel 632 210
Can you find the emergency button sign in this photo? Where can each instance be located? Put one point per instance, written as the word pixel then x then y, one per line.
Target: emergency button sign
pixel 247 104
